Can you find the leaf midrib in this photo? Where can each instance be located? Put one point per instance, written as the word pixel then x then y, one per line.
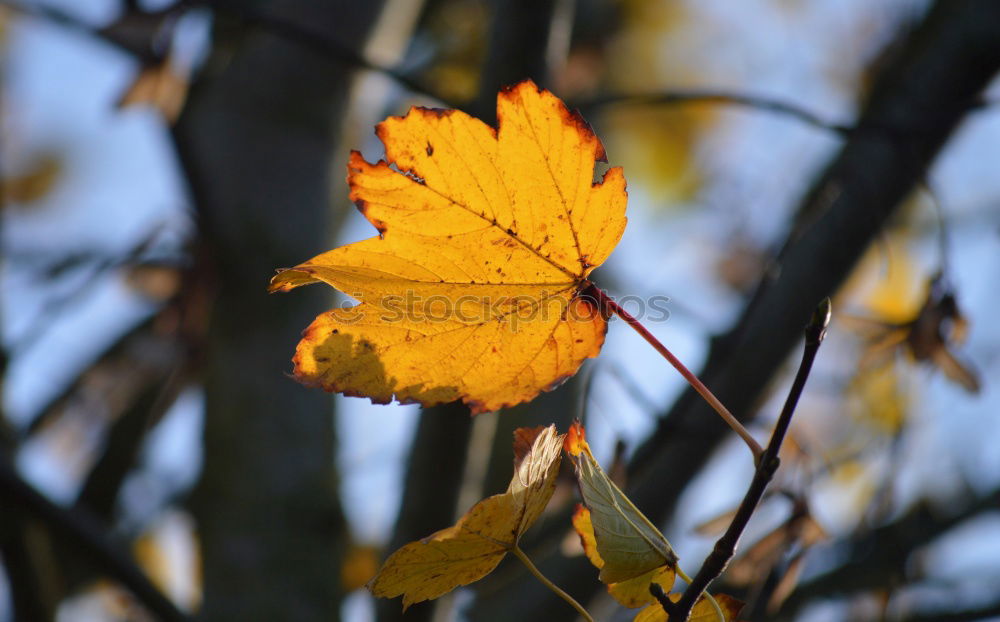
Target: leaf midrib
pixel 509 232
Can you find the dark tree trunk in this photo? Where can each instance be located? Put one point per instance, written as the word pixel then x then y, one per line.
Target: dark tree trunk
pixel 256 139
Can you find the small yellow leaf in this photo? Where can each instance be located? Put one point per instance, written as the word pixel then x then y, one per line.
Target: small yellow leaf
pixel 473 288
pixel 628 543
pixel 472 548
pixel 703 610
pixel 633 592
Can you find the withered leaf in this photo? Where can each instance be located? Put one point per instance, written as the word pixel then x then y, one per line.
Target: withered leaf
pixel 472 548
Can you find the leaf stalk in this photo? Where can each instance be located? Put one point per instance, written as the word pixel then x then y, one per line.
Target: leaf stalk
pixel 549 584
pixel 605 302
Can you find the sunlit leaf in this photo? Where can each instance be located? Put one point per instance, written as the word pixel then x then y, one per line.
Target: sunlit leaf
pixel 632 592
pixel 629 545
pixel 472 290
pixel 473 547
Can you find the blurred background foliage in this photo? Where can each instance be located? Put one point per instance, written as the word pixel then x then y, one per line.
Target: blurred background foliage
pixel 160 159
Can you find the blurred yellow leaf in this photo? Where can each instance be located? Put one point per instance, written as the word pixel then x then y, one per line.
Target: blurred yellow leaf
pixel 652 51
pixel 926 336
pixel 886 281
pixel 628 544
pixel 459 30
pixel 473 288
pixel 756 562
pixel 33 184
pixel 473 547
pixel 906 312
pixel 896 296
pixel 152 559
pixel 168 552
pixel 640 48
pixel 657 145
pixel 156 281
pixel 717 524
pixel 359 565
pixel 741 264
pixel 878 399
pixel 159 86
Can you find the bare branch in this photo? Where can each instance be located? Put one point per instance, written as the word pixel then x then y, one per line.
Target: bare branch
pixel 83 530
pixel 767 465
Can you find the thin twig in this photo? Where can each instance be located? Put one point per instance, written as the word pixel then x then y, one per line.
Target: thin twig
pixel 661 597
pixel 632 388
pixel 318 41
pixel 298 34
pixel 82 530
pixel 725 548
pixel 605 302
pixel 765 104
pixel 549 584
pixel 147 54
pixel 942 227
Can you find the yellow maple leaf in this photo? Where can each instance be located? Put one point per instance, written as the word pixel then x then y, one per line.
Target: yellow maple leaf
pixel 630 593
pixel 703 610
pixel 628 544
pixel 472 548
pixel 473 288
